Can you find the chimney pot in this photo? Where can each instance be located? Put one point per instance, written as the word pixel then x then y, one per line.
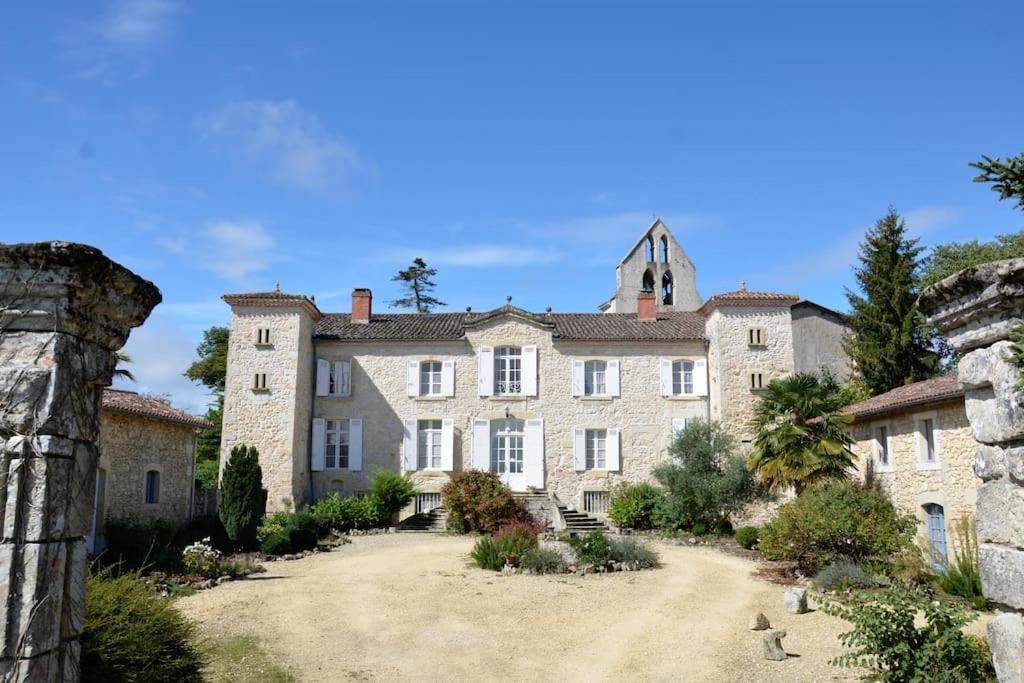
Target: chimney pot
pixel 646 308
pixel 362 306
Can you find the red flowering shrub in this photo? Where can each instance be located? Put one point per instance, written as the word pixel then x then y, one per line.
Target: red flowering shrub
pixel 528 525
pixel 478 501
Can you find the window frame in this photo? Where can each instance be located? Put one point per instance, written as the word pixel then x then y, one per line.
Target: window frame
pixel 263 336
pixel 595 449
pixel 504 446
pixel 757 337
pixel 755 380
pixel 428 439
pixel 506 366
pixel 877 447
pixel 429 379
pixel 921 422
pixel 332 378
pixel 682 371
pixel 342 434
pixel 145 486
pixel 259 382
pixel 590 377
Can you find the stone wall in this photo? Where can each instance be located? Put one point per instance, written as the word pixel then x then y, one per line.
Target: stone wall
pixel 275 421
pixel 130 446
pixel 818 341
pixel 380 398
pixel 977 310
pixel 731 360
pixel 953 484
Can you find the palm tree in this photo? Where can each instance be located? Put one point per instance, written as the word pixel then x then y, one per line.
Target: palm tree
pixel 121 371
pixel 801 438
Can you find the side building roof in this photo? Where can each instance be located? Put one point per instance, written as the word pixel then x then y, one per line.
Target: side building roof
pixel 928 392
pixel 132 403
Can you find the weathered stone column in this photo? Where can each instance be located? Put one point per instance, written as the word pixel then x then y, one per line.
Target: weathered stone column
pixel 64 309
pixel 976 310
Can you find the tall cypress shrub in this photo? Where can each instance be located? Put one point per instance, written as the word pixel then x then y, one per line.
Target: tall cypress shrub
pixel 241 496
pixel 889 341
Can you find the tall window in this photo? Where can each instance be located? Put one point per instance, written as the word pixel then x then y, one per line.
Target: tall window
pixel 936 521
pixel 882 445
pixel 595 378
pixel 430 378
pixel 664 249
pixel 263 336
pixel 152 487
pixel 648 282
pixel 507 447
pixel 336 456
pixel 682 377
pixel 666 288
pixel 597 441
pixel 339 379
pixel 928 439
pixel 508 370
pixel 649 249
pixel 756 336
pixel 429 444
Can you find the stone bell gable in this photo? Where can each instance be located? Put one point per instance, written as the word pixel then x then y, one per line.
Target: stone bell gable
pixel 656 263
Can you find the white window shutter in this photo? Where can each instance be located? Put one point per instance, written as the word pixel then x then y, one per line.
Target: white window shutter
pixel 486 371
pixel 482 445
pixel 529 371
pixel 448 445
pixel 323 376
pixel 611 377
pixel 412 378
pixel 533 453
pixel 579 449
pixel 409 445
pixel 343 372
pixel 448 378
pixel 666 377
pixel 355 445
pixel 319 444
pixel 577 377
pixel 611 450
pixel 700 377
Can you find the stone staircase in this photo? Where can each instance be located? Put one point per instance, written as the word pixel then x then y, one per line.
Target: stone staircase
pixel 541 505
pixel 579 522
pixel 434 521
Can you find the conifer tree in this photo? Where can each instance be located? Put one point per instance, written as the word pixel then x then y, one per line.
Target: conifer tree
pixel 241 499
pixel 889 341
pixel 417 285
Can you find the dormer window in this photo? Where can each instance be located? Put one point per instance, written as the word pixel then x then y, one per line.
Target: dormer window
pixel 508 370
pixel 756 336
pixel 263 336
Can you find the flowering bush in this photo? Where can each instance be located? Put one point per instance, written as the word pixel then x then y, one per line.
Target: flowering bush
pixel 528 525
pixel 478 501
pixel 201 558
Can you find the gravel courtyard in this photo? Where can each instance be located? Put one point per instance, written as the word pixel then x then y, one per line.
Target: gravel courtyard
pixel 410 607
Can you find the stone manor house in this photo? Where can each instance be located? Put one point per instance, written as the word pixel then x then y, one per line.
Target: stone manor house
pixel 569 403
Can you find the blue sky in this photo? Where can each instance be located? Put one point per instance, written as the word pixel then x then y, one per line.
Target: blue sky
pixel 520 148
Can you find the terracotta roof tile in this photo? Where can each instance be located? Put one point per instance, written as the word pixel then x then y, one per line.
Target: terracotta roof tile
pixel 392 327
pixel 120 401
pixel 934 390
pixel 274 298
pixel 748 297
pixel 627 327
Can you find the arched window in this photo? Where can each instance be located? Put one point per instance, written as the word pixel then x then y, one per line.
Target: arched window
pixel 664 249
pixel 648 285
pixel 152 487
pixel 666 288
pixel 649 249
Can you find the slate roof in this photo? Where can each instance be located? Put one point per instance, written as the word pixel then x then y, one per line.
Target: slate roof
pixel 121 401
pixel 929 391
pixel 564 326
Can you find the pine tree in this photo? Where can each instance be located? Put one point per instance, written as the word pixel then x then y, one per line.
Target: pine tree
pixel 889 341
pixel 418 285
pixel 241 498
pixel 1007 177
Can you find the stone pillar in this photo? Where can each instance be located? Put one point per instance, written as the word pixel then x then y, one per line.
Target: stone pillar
pixel 976 310
pixel 64 309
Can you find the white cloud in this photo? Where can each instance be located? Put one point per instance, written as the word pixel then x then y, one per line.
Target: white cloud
pixel 137 22
pixel 160 353
pixel 300 150
pixel 236 250
pixel 930 218
pixel 485 255
pixel 120 43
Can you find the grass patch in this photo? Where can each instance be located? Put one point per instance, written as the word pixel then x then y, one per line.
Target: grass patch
pixel 243 659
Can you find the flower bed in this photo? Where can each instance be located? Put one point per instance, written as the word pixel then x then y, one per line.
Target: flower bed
pixel 519 548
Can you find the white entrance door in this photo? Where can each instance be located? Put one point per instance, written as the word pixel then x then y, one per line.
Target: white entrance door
pixel 507 451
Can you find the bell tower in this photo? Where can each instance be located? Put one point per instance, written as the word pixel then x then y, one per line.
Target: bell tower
pixel 657 264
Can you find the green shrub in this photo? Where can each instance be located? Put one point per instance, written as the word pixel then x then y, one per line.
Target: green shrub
pixel 543 561
pixel 131 634
pixel 341 514
pixel 276 544
pixel 704 481
pixel 633 506
pixel 241 496
pixel 513 544
pixel 632 550
pixel 837 520
pixel 961 576
pixel 485 554
pixel 390 492
pixel 591 548
pixel 843 575
pixel 746 536
pixel 302 531
pixel 133 546
pixel 888 641
pixel 478 501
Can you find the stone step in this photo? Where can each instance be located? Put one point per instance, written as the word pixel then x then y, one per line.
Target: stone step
pixel 434 521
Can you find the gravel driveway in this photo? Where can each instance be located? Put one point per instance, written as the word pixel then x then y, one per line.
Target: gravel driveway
pixel 409 606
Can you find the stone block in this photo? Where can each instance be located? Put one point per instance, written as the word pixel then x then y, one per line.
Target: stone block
pixel 73 610
pixel 995 417
pixel 1002 574
pixel 989 462
pixel 772 644
pixel 83 482
pixel 38 491
pixel 1000 513
pixel 71 661
pixel 759 623
pixel 796 601
pixel 1006 638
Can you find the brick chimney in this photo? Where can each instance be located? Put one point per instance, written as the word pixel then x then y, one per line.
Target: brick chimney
pixel 646 309
pixel 362 304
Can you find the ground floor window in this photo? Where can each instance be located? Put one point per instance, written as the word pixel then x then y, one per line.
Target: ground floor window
pixel 936 521
pixel 425 502
pixel 336 455
pixel 152 487
pixel 507 447
pixel 595 502
pixel 428 437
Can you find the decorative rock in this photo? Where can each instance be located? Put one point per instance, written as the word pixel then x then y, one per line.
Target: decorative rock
pixel 1002 574
pixel 759 623
pixel 224 579
pixel 796 601
pixel 1000 513
pixel 1006 636
pixel 773 650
